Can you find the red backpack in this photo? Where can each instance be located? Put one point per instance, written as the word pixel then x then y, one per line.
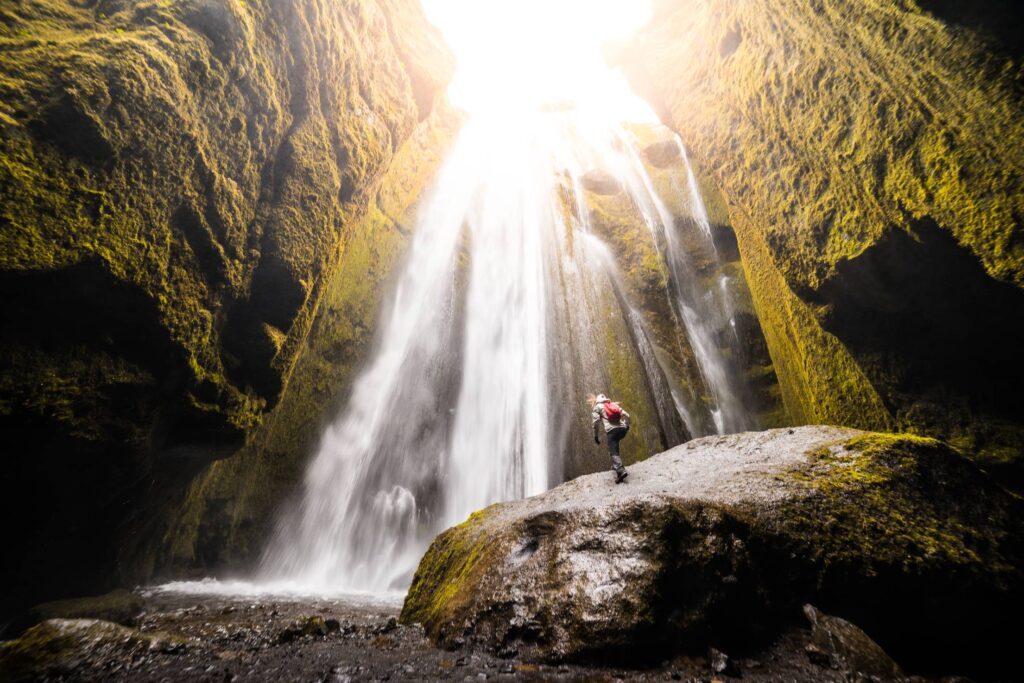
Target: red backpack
pixel 612 412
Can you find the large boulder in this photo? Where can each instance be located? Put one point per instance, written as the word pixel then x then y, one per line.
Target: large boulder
pixel 721 540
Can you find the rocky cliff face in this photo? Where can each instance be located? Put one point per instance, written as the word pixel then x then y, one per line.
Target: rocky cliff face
pixel 719 541
pixel 871 158
pixel 177 179
pixel 226 515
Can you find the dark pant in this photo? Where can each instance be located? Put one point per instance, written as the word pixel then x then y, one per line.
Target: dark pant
pixel 614 437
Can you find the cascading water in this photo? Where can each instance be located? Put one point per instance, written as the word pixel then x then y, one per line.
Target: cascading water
pixel 494 333
pixel 445 420
pixel 499 447
pixel 699 214
pixel 705 310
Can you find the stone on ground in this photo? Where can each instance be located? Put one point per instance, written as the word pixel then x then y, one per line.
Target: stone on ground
pixel 847 648
pixel 77 648
pixel 119 606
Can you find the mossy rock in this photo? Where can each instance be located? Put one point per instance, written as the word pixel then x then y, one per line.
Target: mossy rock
pixel 721 540
pixel 81 649
pixel 119 606
pixel 178 183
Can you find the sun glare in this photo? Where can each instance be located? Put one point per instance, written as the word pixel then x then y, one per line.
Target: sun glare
pixel 530 54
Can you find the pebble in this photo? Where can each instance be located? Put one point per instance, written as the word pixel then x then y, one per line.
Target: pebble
pixel 235 639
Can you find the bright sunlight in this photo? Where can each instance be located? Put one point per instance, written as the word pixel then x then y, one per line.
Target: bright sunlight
pixel 532 54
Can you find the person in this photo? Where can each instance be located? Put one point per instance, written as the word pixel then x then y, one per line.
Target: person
pixel 615 421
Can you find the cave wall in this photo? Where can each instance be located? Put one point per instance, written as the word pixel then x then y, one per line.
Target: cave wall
pixel 871 156
pixel 201 201
pixel 225 517
pixel 178 183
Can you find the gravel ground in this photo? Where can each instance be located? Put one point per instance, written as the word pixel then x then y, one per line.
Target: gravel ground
pixel 218 638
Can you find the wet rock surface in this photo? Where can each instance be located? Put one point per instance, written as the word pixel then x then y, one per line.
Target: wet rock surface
pixel 601 182
pixel 846 647
pixel 719 542
pixel 662 153
pixel 203 638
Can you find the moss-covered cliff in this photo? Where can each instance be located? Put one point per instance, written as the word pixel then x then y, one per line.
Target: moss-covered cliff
pixel 872 157
pixel 176 180
pixel 227 513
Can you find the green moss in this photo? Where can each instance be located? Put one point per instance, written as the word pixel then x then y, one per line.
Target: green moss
pixel 617 222
pixel 871 491
pixel 162 181
pixel 821 383
pixel 108 192
pixel 449 573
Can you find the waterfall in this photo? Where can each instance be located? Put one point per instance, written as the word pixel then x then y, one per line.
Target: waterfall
pixel 701 311
pixel 499 439
pixel 699 213
pixel 473 395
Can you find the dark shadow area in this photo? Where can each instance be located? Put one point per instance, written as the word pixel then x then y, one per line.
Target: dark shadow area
pixel 60 538
pixel 1000 21
pixel 257 327
pixel 82 305
pixel 730 42
pixel 948 618
pixel 93 394
pixel 938 337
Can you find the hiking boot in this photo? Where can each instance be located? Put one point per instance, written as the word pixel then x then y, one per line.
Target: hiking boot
pixel 621 476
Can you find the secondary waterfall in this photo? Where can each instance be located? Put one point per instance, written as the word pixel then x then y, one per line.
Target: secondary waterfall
pixel 701 308
pixel 507 310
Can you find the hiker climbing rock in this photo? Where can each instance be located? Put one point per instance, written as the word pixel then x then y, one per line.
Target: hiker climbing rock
pixel 615 421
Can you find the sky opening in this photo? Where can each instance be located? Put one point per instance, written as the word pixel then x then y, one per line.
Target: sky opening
pixel 537 54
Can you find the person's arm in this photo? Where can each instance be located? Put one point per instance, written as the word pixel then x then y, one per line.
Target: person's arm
pixel 625 419
pixel 597 424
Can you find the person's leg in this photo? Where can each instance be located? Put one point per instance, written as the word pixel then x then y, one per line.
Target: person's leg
pixel 613 437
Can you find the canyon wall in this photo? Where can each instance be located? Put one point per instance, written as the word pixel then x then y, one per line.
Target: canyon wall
pixel 177 181
pixel 872 159
pixel 201 204
pixel 228 512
